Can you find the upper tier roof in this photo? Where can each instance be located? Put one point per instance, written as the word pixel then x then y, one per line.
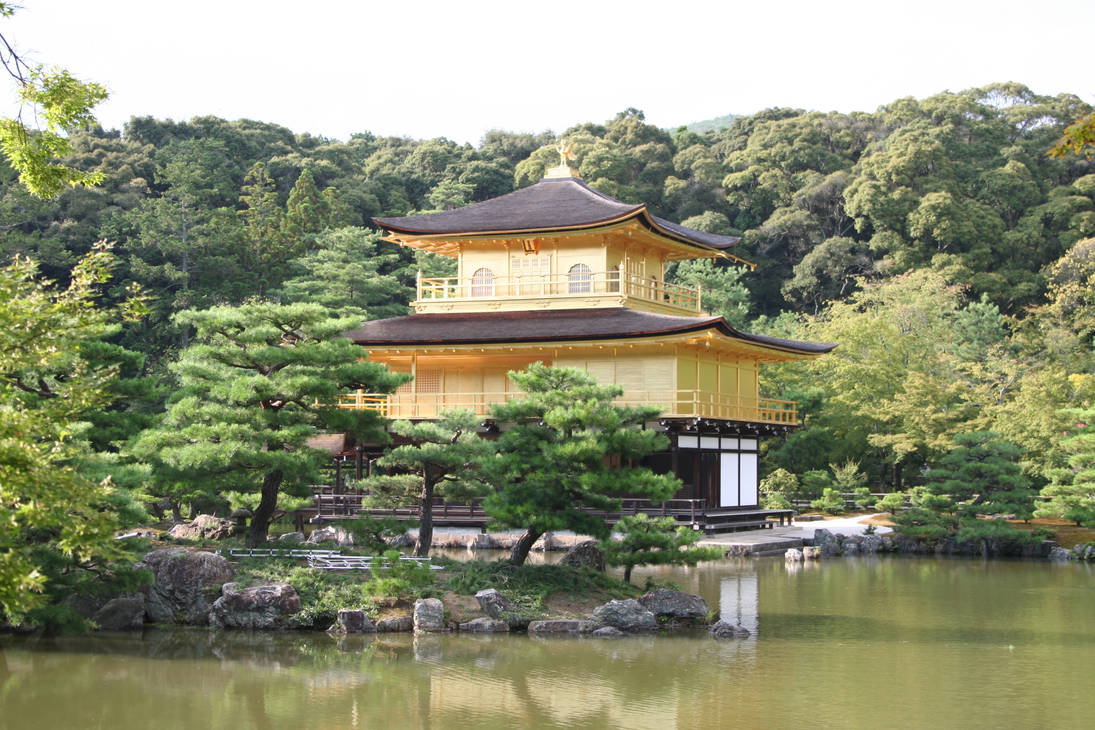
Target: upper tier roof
pixel 553 204
pixel 553 326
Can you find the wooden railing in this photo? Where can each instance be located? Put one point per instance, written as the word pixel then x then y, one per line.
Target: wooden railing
pixel 674 403
pixel 560 285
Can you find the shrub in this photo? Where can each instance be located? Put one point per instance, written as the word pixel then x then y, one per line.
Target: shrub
pixel 892 502
pixel 831 502
pixel 864 499
pixel 405 579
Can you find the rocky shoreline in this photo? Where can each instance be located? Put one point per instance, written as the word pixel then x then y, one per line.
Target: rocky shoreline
pixel 826 544
pixel 196 588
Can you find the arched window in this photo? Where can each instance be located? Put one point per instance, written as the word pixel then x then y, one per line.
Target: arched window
pixel 482 283
pixel 614 278
pixel 580 279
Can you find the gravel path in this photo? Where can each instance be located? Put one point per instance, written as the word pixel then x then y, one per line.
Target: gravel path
pixel 837 526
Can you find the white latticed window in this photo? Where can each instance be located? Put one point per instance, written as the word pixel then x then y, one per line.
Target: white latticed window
pixel 580 279
pixel 482 283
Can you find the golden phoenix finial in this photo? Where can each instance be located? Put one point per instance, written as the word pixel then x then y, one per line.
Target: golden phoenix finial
pixel 565 148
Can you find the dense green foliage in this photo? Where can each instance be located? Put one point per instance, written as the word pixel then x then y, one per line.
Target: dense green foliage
pixel 555 461
pixel 1071 490
pixel 57 518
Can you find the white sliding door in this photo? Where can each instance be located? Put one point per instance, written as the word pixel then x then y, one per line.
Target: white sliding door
pixel 728 479
pixel 748 480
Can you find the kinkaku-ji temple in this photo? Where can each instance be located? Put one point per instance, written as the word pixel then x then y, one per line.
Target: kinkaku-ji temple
pixel 565 275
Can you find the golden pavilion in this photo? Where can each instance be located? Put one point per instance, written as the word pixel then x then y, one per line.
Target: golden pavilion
pixel 565 275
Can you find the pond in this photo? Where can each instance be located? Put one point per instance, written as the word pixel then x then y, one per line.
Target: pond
pixel 855 642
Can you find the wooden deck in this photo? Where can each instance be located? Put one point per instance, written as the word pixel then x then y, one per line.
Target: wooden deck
pixel 330 507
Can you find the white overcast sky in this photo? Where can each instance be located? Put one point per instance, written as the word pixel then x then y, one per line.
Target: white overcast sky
pixel 457 68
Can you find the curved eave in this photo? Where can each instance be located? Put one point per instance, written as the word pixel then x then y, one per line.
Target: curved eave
pixel 710 324
pixel 410 237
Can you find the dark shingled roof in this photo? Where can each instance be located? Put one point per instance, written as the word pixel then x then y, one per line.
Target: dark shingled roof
pixel 549 205
pixel 551 325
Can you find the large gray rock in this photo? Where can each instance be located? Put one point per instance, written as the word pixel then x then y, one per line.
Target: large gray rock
pixel 851 548
pixel 1060 555
pixel 727 630
pixel 792 555
pixel 560 626
pixel 260 607
pixel 870 544
pixel 608 632
pixel 500 608
pixel 396 624
pixel 585 554
pixel 124 613
pixel 674 606
pixel 627 615
pixel 185 583
pixel 334 534
pixel 352 621
pixel 292 537
pixel 203 527
pixel 429 615
pixel 485 625
pixel 827 541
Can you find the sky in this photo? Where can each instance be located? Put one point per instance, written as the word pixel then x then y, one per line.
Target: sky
pixel 455 69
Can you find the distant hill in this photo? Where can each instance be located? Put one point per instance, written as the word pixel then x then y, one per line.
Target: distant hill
pixel 712 124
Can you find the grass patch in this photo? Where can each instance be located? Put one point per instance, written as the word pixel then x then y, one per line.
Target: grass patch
pixel 322 592
pixel 537 589
pixel 1067 534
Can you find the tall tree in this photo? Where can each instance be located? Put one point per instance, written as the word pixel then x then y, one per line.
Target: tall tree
pixel 257 384
pixel 570 450
pixel 263 218
pixel 347 272
pixel 307 213
pixel 58 522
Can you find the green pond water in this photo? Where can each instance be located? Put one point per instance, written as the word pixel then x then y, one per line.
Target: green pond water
pixel 858 642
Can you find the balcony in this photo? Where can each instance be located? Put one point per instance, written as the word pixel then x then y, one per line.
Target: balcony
pixel 564 291
pixel 674 404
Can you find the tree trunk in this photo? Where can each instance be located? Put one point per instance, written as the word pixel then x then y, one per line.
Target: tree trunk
pixel 264 513
pixel 524 543
pixel 627 574
pixel 425 521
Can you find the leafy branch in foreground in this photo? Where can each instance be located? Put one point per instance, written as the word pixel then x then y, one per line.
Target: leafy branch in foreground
pixel 60 102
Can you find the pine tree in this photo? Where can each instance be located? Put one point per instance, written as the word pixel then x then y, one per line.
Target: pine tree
pixel 979 477
pixel 649 540
pixel 442 459
pixel 307 213
pixel 555 462
pixel 1071 490
pixel 262 219
pixel 347 273
pixel 260 380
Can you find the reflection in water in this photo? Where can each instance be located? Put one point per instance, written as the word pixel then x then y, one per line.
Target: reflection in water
pixel 849 643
